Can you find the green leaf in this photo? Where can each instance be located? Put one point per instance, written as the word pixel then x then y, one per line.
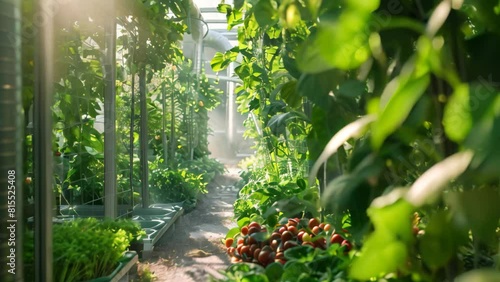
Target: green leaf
pixel 309 59
pixel 294 270
pixel 254 277
pixel 274 271
pixel 254 104
pixel 478 210
pixel 222 60
pixel 218 62
pixel 430 184
pixel 238 4
pixel 290 94
pixel 381 255
pixel 233 232
pixel 457 119
pixel 298 252
pixel 386 249
pixel 301 183
pixel 394 217
pixel 265 13
pixel 243 221
pixel 436 245
pixel 397 109
pixel 363 6
pixel 352 88
pixel 351 130
pixel 224 8
pixel 344 44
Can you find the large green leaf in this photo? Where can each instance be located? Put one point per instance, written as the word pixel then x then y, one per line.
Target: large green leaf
pixel 340 42
pixel 351 130
pixel 352 88
pixel 290 94
pixel 382 254
pixel 478 210
pixel 457 119
pixel 222 60
pixel 265 13
pixel 437 244
pixel 399 106
pixel 386 249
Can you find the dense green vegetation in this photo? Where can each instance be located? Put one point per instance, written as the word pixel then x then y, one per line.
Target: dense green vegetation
pixel 88 248
pixel 398 104
pixel 178 99
pixel 149 67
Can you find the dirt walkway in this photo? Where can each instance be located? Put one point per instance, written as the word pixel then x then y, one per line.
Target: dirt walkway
pixel 192 250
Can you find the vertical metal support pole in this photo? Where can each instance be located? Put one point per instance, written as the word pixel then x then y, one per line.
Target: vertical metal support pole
pixel 144 138
pixel 164 122
pixel 131 154
pixel 42 142
pixel 173 140
pixel 230 107
pixel 110 199
pixel 11 134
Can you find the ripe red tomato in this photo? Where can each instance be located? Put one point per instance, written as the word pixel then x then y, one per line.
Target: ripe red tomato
pixel 316 230
pixel 251 240
pixel 282 229
pixel 254 224
pixel 287 235
pixel 245 250
pixel 293 229
pixel 313 222
pixel 253 247
pixel 229 242
pixel 300 234
pixel 264 257
pixel 292 222
pixel 256 253
pixel 244 230
pixel 347 245
pixel 253 230
pixel 275 235
pixel 336 239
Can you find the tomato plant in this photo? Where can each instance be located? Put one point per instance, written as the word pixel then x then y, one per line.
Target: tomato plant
pixel 398 102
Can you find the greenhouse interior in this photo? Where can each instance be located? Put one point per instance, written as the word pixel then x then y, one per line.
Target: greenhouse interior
pixel 250 140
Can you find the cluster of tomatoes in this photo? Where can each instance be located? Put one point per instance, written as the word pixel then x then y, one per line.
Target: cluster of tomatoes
pixel 259 246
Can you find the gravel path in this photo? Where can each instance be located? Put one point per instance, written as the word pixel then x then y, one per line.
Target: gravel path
pixel 192 250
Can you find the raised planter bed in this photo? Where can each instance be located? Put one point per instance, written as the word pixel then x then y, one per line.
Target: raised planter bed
pixel 150 219
pixel 93 210
pixel 128 261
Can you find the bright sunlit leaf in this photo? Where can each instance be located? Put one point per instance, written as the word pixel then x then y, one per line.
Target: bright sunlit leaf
pixel 428 186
